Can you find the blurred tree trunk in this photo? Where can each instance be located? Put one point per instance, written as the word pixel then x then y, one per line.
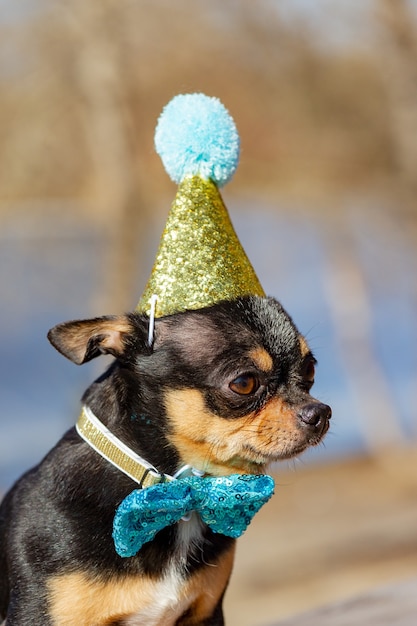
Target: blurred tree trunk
pixel 399 57
pixel 104 110
pixel 348 301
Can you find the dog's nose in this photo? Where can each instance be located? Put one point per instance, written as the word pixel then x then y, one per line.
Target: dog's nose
pixel 315 414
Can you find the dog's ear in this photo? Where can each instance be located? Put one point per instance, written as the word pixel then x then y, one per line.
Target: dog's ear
pixel 83 340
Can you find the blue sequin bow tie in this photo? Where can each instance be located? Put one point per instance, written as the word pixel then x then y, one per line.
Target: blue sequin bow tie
pixel 226 504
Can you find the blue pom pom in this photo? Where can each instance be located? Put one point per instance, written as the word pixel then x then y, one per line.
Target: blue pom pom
pixel 196 136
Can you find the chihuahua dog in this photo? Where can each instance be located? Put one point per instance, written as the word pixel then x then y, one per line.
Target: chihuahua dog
pixel 224 389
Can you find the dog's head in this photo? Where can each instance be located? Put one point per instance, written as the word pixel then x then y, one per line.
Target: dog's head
pixel 232 381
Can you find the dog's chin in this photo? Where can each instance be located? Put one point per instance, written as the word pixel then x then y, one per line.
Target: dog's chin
pixel 261 459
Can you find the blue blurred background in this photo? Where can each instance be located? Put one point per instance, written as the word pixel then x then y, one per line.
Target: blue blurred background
pixel 324 199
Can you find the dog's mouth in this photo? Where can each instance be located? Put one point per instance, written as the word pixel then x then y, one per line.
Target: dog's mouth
pixel 254 457
pixel 288 446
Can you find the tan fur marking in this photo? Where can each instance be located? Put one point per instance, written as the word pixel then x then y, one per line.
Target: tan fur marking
pixel 222 446
pixel 77 600
pixel 209 583
pixel 304 346
pixel 262 359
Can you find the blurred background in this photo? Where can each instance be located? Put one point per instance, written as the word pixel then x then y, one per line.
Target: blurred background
pixel 324 95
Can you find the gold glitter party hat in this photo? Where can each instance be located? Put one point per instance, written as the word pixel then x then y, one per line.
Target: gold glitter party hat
pixel 200 260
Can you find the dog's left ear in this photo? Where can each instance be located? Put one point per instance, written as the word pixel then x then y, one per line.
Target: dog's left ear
pixel 83 340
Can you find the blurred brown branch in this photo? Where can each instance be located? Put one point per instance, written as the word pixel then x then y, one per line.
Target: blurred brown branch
pixel 79 102
pixel 399 54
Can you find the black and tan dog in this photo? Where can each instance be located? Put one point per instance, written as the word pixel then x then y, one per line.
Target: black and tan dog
pixel 225 389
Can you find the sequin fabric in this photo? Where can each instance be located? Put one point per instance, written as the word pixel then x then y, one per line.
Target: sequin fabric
pixel 200 260
pixel 226 504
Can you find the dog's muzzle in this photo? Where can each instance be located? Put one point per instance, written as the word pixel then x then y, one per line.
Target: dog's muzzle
pixel 316 416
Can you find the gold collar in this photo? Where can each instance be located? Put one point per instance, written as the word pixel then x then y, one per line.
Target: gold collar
pixel 98 436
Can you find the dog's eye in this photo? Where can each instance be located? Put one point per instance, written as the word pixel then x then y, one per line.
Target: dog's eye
pixel 245 384
pixel 309 370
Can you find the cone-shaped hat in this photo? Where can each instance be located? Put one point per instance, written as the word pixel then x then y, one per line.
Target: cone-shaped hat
pixel 200 260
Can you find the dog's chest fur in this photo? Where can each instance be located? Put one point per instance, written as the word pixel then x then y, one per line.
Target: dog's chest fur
pixel 166 604
pixel 174 594
pixel 130 601
pixel 141 600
